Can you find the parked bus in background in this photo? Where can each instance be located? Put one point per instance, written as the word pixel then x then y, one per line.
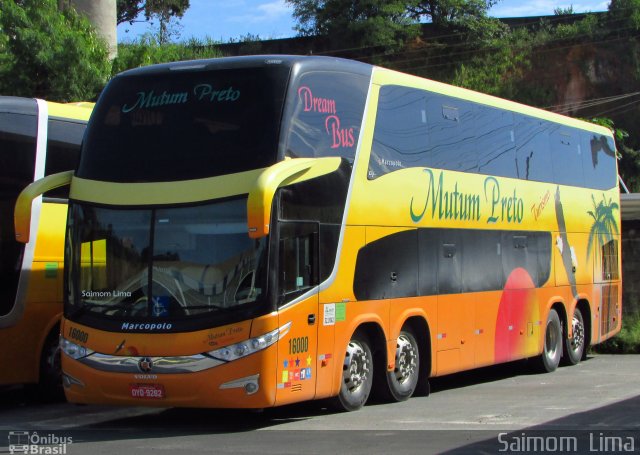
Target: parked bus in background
pixel 256 231
pixel 37 138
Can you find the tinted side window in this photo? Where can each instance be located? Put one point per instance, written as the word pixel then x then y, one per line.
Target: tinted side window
pixel 533 156
pixel 400 135
pixel 495 142
pixel 449 262
pixel 567 157
pixel 63 150
pixel 17 164
pixel 451 134
pixel 388 268
pixel 326 115
pixel 482 261
pixel 598 161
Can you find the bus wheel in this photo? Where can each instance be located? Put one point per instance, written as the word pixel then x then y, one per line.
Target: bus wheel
pixel 549 360
pixel 574 346
pixel 401 382
pixel 357 375
pixel 50 386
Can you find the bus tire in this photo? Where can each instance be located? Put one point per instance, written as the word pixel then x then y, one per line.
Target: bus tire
pixel 400 384
pixel 574 346
pixel 549 360
pixel 357 374
pixel 50 384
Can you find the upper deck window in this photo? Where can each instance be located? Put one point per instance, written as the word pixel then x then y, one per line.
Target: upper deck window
pixel 185 125
pixel 326 114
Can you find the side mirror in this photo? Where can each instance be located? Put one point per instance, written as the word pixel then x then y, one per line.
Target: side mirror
pixel 281 174
pixel 22 213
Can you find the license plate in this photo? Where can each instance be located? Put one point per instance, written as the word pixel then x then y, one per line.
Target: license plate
pixel 152 391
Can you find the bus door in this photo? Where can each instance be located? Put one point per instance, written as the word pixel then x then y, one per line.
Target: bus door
pixel 298 272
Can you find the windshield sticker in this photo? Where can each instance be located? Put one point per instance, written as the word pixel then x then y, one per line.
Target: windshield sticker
pixel 340 137
pixel 105 294
pixel 201 92
pixel 160 306
pixel 204 91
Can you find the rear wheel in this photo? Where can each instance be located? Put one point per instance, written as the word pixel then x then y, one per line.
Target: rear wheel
pixel 549 360
pixel 400 384
pixel 357 374
pixel 574 346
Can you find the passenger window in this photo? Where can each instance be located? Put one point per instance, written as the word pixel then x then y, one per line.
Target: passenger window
pixel 533 156
pixel 400 137
pixel 495 142
pixel 567 157
pixel 326 115
pixel 17 164
pixel 63 151
pixel 598 161
pixel 451 129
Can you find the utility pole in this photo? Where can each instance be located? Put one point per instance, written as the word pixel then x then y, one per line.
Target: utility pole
pixel 102 14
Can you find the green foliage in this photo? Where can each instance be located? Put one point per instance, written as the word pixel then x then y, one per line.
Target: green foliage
pixel 560 11
pixel 625 14
pixel 355 23
pixel 468 17
pixel 165 13
pixel 148 51
pixel 625 342
pixel 590 27
pixel 129 10
pixel 48 53
pixel 499 67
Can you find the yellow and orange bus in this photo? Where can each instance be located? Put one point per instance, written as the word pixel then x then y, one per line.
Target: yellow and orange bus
pixel 256 231
pixel 37 138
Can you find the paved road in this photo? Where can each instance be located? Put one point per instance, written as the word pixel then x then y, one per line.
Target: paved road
pixel 589 408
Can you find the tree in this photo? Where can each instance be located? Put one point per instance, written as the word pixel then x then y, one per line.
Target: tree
pixel 351 23
pixel 164 11
pixel 458 16
pixel 48 53
pixel 625 13
pixel 444 12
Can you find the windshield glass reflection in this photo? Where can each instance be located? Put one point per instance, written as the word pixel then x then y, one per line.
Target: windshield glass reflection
pixel 163 263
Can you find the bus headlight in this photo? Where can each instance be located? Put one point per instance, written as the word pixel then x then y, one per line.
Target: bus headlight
pixel 248 347
pixel 73 350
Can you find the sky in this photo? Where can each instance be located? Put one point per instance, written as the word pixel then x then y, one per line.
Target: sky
pixel 223 20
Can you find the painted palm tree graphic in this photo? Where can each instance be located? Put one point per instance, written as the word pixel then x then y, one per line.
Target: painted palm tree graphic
pixel 604 225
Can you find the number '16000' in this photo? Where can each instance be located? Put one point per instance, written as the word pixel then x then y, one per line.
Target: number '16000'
pixel 298 345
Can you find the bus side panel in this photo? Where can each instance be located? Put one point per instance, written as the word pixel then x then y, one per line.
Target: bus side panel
pixel 22 344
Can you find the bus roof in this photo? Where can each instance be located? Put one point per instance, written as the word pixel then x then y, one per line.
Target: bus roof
pixel 27 106
pixel 304 63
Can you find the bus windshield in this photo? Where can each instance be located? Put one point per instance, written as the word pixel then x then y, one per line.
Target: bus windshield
pixel 185 125
pixel 159 264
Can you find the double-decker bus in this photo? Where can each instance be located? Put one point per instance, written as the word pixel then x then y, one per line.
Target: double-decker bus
pixel 256 231
pixel 37 138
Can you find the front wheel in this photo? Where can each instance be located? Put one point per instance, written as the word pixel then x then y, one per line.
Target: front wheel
pixel 574 346
pixel 50 385
pixel 549 360
pixel 357 374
